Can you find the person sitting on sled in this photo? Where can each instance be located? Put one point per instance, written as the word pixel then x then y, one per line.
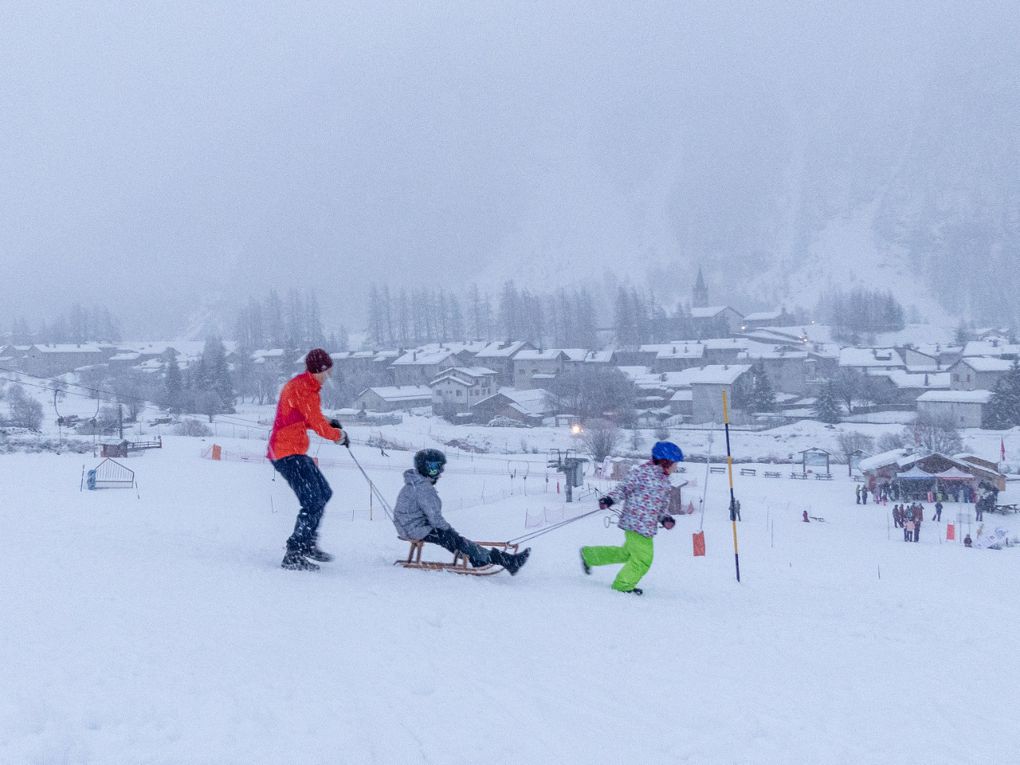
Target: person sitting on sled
pixel 418 515
pixel 645 496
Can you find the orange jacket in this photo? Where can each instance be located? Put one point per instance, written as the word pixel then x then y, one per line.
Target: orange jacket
pixel 298 411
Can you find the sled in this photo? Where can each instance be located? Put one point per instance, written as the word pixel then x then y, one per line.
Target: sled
pixel 459 564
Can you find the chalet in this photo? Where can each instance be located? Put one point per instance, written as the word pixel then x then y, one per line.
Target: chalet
pixel 965 407
pixel 866 359
pixel 457 389
pixel 899 388
pixel 527 406
pixel 419 367
pixel 672 357
pixel 785 365
pixel 716 320
pixel 500 358
pixel 995 346
pixel 924 471
pixel 707 385
pixel 393 398
pixel 978 372
pixel 778 318
pixel 533 368
pixel 55 359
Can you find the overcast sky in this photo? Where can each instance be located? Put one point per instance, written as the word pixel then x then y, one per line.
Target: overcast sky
pixel 157 155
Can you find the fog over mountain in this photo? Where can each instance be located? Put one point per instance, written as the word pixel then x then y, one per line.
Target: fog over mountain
pixel 159 159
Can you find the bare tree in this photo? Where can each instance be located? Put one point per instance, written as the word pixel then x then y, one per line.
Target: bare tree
pixel 851 442
pixel 934 432
pixel 600 438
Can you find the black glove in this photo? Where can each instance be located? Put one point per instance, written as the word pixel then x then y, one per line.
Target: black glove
pixel 345 440
pixel 605 503
pixel 667 521
pixel 335 423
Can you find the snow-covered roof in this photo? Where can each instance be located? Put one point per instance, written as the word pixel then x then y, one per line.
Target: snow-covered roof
pixel 532 402
pixel 710 311
pixel 599 357
pixel 395 393
pixel 423 358
pixel 682 395
pixel 990 348
pixel 772 351
pixel 882 459
pixel 499 350
pixel 869 357
pixel 275 353
pixel 905 380
pixel 69 348
pixel 713 374
pixel 465 375
pixel 986 363
pixel 956 396
pixel 763 316
pixel 127 356
pixel 687 350
pixel 401 392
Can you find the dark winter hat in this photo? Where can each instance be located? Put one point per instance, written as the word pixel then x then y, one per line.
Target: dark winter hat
pixel 317 361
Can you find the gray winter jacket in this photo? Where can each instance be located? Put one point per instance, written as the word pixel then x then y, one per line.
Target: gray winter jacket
pixel 418 509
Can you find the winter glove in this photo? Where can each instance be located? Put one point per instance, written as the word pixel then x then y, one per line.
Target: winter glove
pixel 335 423
pixel 605 503
pixel 345 440
pixel 667 521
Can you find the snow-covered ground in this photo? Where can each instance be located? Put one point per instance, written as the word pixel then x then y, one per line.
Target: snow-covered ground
pixel 156 626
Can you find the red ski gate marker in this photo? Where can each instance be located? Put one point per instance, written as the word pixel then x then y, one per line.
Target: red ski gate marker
pixel 950 532
pixel 699 543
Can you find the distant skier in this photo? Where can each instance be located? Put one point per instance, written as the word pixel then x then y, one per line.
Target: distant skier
pixel 857 493
pixel 298 411
pixel 418 515
pixel 938 512
pixel 645 493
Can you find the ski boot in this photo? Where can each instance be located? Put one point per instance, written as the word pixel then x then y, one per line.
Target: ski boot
pixel 319 556
pixel 584 564
pixel 295 561
pixel 512 563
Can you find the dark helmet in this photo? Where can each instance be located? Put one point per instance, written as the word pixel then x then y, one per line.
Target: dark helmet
pixel 429 462
pixel 667 450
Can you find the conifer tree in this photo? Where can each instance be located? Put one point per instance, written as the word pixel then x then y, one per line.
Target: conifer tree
pixel 827 407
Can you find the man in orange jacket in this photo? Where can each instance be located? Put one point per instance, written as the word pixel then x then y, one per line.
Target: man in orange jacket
pixel 298 411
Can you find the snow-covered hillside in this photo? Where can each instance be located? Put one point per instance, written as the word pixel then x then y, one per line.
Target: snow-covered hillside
pixel 156 626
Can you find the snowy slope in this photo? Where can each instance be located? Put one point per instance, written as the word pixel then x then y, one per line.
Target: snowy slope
pixel 157 628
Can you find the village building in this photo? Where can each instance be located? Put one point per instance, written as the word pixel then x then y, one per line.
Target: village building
pixel 57 358
pixel 978 372
pixel 867 359
pixel 526 406
pixel 758 319
pixel 393 398
pixel 716 320
pixel 898 388
pixel 419 367
pixel 457 389
pixel 965 407
pixel 534 368
pixel 917 473
pixel 500 358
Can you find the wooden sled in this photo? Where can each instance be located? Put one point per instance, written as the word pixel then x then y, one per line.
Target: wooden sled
pixel 460 563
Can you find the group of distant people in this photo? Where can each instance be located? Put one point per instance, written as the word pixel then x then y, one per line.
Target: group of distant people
pixel 909 518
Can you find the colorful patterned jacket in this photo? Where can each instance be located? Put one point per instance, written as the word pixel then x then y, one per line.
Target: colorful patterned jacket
pixel 645 493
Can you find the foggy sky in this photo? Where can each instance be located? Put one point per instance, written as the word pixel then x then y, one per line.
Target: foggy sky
pixel 157 156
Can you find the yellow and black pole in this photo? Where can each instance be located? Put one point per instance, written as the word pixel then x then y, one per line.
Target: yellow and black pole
pixel 729 470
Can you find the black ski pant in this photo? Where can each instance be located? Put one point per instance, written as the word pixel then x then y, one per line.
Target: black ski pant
pixel 454 542
pixel 917 532
pixel 309 484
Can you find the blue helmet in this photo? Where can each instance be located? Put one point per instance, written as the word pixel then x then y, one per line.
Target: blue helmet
pixel 667 450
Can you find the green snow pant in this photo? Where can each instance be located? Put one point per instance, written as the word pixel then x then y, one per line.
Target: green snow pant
pixel 636 555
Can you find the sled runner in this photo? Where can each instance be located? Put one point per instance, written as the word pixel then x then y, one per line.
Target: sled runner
pixel 459 564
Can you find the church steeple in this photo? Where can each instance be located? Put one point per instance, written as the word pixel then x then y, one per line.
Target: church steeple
pixel 699 297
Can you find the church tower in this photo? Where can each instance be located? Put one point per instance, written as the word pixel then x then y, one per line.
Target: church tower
pixel 699 297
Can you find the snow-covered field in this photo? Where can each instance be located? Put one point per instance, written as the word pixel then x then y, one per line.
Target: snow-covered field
pixel 157 627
